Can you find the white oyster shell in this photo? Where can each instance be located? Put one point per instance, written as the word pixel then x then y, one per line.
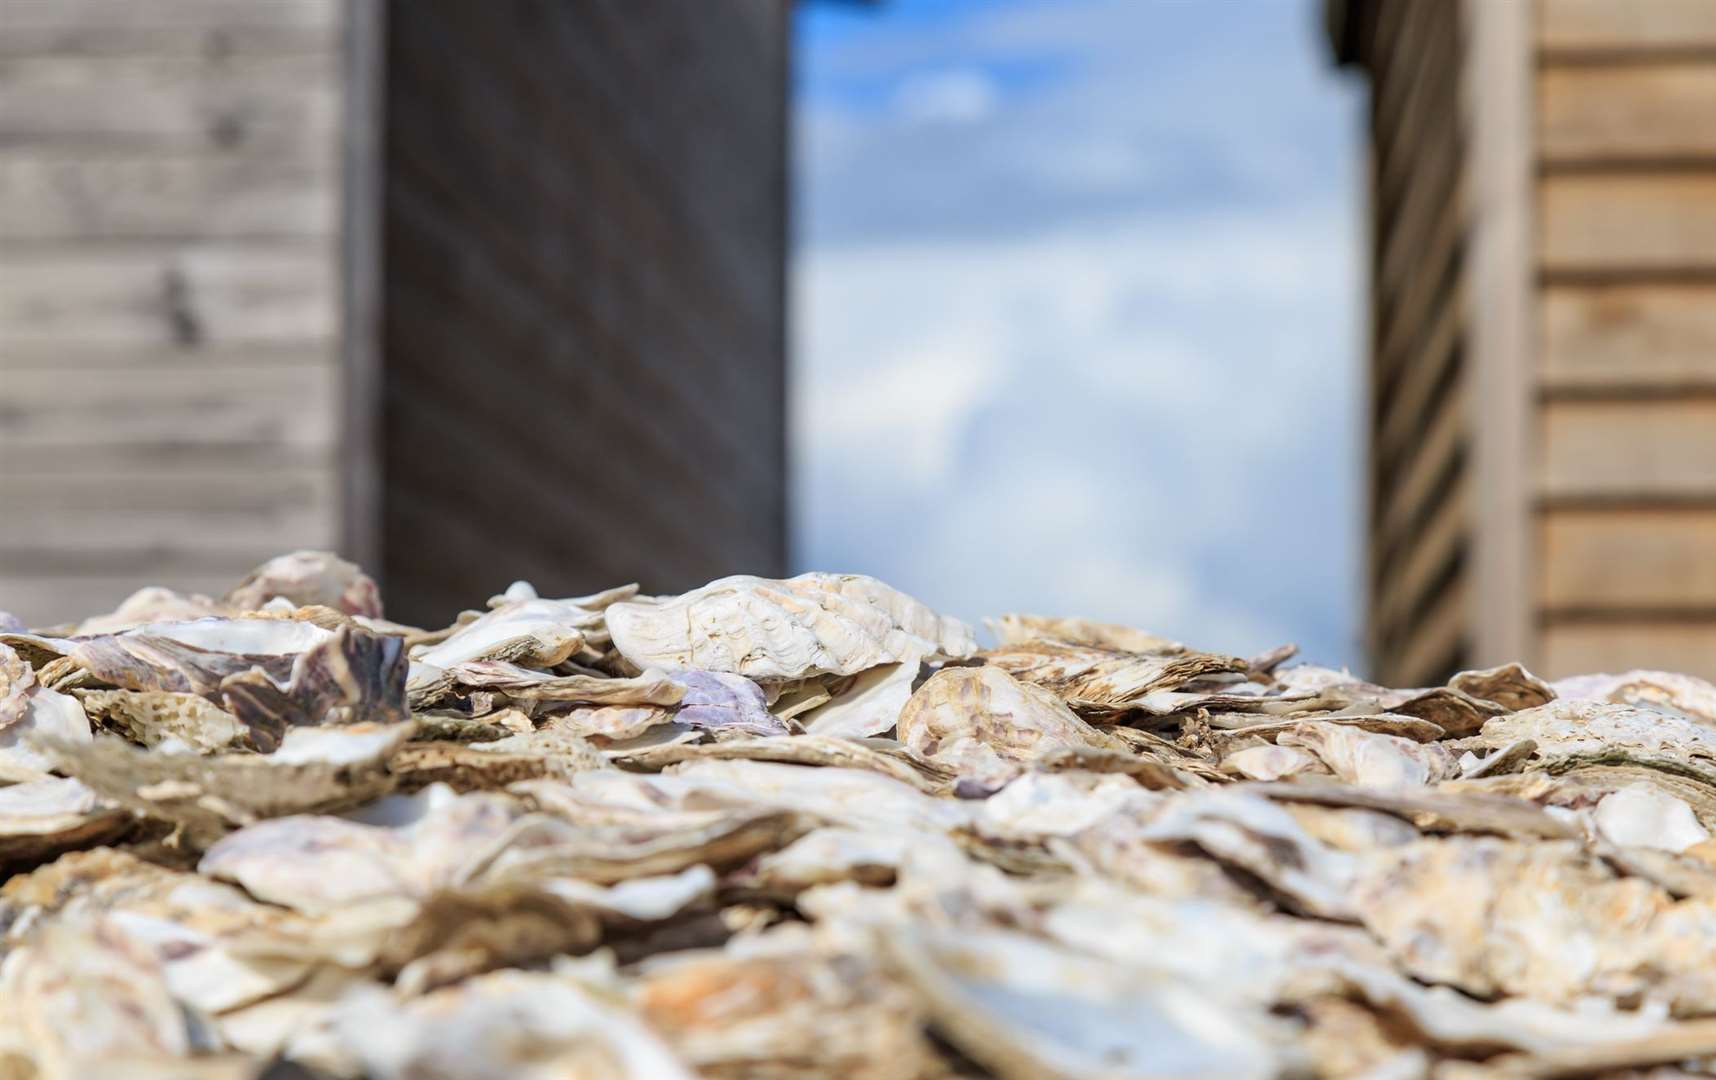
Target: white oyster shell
pixel 765 629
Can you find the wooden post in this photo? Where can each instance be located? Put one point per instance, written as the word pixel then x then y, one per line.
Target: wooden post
pixel 1497 99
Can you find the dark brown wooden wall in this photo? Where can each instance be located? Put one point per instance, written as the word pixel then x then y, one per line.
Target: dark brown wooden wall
pixel 583 296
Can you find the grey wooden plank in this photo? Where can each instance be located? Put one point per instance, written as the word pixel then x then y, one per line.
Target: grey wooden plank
pixel 287 406
pixel 190 296
pixel 275 104
pixel 61 194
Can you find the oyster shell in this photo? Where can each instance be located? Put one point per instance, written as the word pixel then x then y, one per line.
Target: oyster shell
pixel 1014 629
pixel 1370 759
pixel 44 817
pixel 813 624
pixel 1101 680
pixel 511 1023
pixel 869 706
pixel 306 578
pixel 270 674
pixel 1090 851
pixel 29 711
pixel 313 769
pixel 986 724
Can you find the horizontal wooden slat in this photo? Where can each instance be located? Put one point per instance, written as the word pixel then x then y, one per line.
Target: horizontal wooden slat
pixel 1627 113
pixel 1625 24
pixel 1627 559
pixel 64 195
pixel 1428 553
pixel 1631 222
pixel 98 296
pixel 122 357
pixel 1424 372
pixel 230 482
pixel 1628 335
pixel 21 15
pixel 272 104
pixel 1430 645
pixel 43 413
pixel 1577 648
pixel 1628 449
pixel 1443 436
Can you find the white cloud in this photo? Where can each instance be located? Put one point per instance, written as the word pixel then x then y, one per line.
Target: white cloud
pixel 1090 352
pixel 956 97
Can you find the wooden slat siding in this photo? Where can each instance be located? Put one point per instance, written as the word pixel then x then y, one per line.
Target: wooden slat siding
pixel 1634 113
pixel 1420 175
pixel 1439 542
pixel 1616 224
pixel 1581 27
pixel 1628 450
pixel 253 105
pixel 169 293
pixel 287 406
pixel 595 194
pixel 70 195
pixel 1438 643
pixel 363 49
pixel 1419 486
pixel 560 267
pixel 1628 560
pixel 1497 88
pixel 1628 337
pixel 179 295
pixel 1417 393
pixel 1417 201
pixel 1417 522
pixel 1574 648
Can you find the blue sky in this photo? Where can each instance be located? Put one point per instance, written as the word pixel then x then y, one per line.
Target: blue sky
pixel 1076 312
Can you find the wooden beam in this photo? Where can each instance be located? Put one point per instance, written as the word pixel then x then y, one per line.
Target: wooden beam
pixel 362 348
pixel 1498 112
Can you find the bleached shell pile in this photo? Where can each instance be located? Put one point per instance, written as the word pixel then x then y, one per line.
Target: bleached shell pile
pixel 810 828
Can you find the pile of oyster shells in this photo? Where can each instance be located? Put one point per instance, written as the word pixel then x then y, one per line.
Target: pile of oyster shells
pixel 810 828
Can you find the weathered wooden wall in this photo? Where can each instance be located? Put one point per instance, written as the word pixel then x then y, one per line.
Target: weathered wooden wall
pixel 1544 351
pixel 169 293
pixel 1626 367
pixel 1419 488
pixel 583 308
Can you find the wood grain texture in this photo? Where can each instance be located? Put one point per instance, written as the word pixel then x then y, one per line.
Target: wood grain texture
pixel 192 295
pixel 1628 559
pixel 587 199
pixel 1576 648
pixel 1627 337
pixel 61 195
pixel 1497 89
pixel 1619 223
pixel 1625 25
pixel 1627 113
pixel 1628 449
pixel 170 322
pixel 253 105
